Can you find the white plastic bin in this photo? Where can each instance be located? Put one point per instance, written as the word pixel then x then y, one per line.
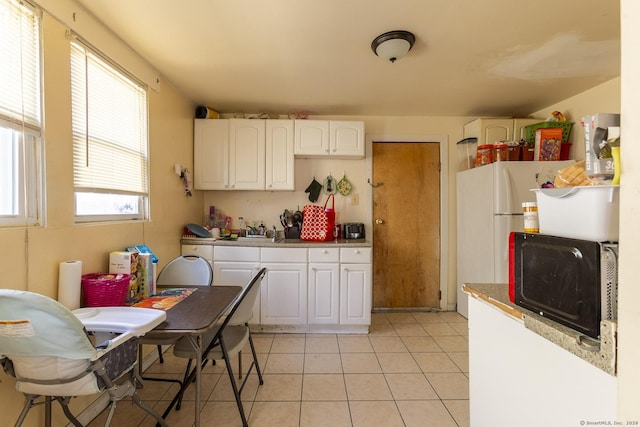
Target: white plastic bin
pixel 586 213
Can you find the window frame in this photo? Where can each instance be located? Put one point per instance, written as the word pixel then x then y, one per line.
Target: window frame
pixel 141 198
pixel 25 129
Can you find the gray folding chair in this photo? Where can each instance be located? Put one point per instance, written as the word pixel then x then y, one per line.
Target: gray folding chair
pixel 226 342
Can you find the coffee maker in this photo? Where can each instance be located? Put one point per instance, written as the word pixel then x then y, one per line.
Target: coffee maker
pixel 292 223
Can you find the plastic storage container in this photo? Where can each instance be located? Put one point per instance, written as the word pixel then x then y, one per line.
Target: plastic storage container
pixel 586 213
pixel 484 154
pixel 467 153
pixel 105 290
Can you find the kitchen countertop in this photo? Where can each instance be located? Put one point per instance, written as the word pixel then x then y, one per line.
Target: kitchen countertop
pixel 601 354
pixel 282 243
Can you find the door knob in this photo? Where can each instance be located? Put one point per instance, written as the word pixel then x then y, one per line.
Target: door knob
pixel 379 221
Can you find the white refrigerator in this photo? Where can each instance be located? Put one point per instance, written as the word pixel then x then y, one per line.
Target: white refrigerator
pixel 490 207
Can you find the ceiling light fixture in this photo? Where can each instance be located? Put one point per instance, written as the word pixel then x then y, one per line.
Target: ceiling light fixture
pixel 393 45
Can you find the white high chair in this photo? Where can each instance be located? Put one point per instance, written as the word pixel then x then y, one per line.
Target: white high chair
pixel 47 350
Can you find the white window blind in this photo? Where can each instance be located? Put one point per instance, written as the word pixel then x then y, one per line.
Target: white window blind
pixel 20 114
pixel 109 113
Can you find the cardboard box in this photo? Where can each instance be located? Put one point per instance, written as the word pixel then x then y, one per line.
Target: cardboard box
pixel 596 127
pixel 126 263
pixel 547 145
pixel 144 272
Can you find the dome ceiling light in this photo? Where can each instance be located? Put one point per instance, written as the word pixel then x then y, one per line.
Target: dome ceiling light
pixel 393 45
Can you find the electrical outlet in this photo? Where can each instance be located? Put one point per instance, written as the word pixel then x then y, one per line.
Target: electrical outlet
pixel 354 199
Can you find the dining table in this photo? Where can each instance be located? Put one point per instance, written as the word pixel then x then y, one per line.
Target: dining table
pixel 192 317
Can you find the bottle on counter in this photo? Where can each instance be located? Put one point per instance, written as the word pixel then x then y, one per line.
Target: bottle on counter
pixel 530 213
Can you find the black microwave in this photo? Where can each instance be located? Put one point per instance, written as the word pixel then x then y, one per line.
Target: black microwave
pixel 573 282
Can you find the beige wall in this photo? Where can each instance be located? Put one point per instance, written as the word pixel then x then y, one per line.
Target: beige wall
pixel 29 257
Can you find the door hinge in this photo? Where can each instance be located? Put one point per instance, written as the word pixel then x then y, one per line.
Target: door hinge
pixel 439 295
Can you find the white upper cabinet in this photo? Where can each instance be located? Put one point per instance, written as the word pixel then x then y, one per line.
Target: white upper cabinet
pixel 312 137
pixel 279 155
pixel 346 139
pixel 246 154
pixel 488 131
pixel 243 154
pixel 211 154
pixel 340 139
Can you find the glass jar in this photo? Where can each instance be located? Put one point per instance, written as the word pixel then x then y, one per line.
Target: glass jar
pixel 484 155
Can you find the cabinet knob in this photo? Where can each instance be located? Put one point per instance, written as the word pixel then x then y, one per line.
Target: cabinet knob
pixel 356 251
pixel 324 251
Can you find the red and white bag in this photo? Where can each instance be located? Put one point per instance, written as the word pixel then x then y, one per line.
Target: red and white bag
pixel 318 222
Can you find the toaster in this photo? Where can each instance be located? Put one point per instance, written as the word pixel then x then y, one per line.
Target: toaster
pixel 354 230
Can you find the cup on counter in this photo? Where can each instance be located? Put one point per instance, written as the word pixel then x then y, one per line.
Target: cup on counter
pixel 215 232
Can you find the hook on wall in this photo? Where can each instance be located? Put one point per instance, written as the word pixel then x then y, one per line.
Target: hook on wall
pixel 376 185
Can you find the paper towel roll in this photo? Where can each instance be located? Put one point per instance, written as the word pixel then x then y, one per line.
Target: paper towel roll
pixel 69 284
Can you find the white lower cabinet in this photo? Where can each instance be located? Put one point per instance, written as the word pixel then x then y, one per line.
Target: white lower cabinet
pixel 284 288
pixel 284 294
pixel 237 266
pixel 305 289
pixel 517 377
pixel 324 286
pixel 355 294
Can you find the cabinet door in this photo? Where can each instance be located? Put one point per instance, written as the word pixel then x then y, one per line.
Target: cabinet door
pixel 324 293
pixel 246 154
pixel 355 294
pixel 311 137
pixel 279 155
pixel 239 274
pixel 346 138
pixel 284 294
pixel 211 154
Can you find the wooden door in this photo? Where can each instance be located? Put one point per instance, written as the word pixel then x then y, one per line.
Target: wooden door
pixel 406 229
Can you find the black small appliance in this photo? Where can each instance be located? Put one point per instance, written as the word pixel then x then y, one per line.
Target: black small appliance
pixel 571 281
pixel 354 230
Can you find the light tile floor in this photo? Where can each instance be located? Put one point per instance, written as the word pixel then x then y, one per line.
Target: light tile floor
pixel 411 370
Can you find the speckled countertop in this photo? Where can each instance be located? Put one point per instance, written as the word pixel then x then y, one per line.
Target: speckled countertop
pixel 282 243
pixel 601 354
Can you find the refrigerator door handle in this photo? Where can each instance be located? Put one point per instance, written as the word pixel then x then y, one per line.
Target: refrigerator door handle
pixel 508 190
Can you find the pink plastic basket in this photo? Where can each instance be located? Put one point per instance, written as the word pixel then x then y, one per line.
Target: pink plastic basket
pixel 105 290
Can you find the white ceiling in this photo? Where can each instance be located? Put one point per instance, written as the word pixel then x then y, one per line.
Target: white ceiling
pixel 471 57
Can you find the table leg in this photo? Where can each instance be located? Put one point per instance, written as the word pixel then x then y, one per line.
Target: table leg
pixel 196 343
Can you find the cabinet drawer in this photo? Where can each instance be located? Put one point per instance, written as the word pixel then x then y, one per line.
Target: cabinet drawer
pixel 205 251
pixel 324 255
pixel 288 255
pixel 236 253
pixel 355 255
